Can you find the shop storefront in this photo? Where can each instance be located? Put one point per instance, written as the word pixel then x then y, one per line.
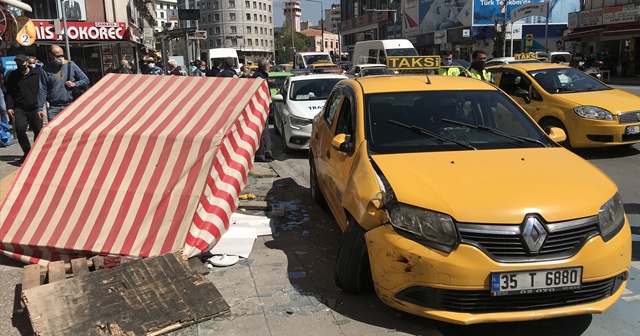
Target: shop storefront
pixel 97 47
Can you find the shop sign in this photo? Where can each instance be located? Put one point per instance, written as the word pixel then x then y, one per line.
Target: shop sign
pixel 82 31
pixel 573 20
pixel 440 36
pixel 620 14
pixel 590 18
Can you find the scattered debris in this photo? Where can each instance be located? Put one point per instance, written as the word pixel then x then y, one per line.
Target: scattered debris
pixel 223 260
pixel 247 196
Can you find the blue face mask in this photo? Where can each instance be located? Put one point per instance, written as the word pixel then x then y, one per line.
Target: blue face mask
pixel 447 62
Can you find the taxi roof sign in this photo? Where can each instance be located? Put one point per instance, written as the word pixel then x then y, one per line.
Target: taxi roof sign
pixel 413 62
pixel 526 56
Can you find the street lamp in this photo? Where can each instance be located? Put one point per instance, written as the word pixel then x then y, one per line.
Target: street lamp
pixel 385 10
pixel 322 25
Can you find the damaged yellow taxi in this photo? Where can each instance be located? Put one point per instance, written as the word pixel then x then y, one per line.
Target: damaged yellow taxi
pixel 452 206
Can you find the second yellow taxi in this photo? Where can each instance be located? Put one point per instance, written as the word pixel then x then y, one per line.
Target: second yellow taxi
pixel 430 179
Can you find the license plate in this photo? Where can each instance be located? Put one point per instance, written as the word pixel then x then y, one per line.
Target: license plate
pixel 632 130
pixel 538 281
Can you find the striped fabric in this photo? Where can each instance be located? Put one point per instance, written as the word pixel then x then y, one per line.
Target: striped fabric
pixel 138 166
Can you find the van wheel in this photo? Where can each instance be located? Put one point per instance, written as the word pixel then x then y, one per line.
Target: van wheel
pixel 547 124
pixel 353 271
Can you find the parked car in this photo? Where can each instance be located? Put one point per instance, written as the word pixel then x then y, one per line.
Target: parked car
pixel 453 206
pixel 299 100
pixel 381 69
pixel 590 112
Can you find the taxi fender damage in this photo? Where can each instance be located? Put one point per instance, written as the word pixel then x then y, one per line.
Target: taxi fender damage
pixel 363 200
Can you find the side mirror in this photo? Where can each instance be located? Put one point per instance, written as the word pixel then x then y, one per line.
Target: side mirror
pixel 557 134
pixel 341 142
pixel 278 98
pixel 524 94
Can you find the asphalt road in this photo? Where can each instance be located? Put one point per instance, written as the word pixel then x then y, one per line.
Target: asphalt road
pixel 621 165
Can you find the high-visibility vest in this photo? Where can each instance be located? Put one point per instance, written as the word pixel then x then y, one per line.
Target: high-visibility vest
pixel 477 75
pixel 449 71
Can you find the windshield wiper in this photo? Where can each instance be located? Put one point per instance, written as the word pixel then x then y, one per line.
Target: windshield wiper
pixel 495 131
pixel 422 131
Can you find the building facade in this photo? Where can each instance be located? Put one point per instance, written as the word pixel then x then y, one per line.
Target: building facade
pixel 293 13
pixel 332 19
pixel 244 25
pixel 164 11
pixel 331 41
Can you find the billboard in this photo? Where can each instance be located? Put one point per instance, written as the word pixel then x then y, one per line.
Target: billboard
pixel 444 14
pixel 75 10
pixel 411 20
pixel 485 10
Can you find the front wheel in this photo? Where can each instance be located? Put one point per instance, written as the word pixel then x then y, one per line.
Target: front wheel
pixel 353 271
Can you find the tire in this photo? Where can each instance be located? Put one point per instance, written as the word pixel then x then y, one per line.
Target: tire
pixel 353 271
pixel 556 123
pixel 285 148
pixel 276 125
pixel 316 194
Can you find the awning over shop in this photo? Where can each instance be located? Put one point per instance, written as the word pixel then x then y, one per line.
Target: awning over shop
pixel 138 166
pixel 627 28
pixel 583 32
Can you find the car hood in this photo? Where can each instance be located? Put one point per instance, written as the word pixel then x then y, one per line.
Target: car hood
pixel 306 108
pixel 613 101
pixel 498 186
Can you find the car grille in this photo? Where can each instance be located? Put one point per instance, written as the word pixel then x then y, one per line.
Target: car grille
pixel 483 302
pixel 629 117
pixel 505 242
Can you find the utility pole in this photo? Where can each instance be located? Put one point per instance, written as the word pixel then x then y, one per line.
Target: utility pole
pixel 392 11
pixel 546 28
pixel 66 31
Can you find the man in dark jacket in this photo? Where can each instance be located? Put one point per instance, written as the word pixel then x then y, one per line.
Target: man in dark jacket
pixel 228 71
pixel 213 72
pixel 263 154
pixel 23 86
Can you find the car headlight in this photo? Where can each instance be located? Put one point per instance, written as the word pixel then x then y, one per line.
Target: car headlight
pixel 299 122
pixel 430 228
pixel 611 217
pixel 593 112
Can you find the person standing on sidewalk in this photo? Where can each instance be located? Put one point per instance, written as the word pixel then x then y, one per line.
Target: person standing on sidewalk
pixel 22 101
pixel 228 70
pixel 263 154
pixel 56 80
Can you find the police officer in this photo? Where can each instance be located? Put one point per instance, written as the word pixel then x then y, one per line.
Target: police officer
pixel 446 60
pixel 477 71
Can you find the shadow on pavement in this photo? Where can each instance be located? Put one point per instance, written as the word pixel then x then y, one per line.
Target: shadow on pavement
pixel 20 319
pixel 310 237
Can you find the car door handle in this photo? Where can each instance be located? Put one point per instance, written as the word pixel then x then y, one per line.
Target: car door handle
pixel 328 154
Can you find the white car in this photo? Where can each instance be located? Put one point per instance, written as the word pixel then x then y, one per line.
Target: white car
pixel 299 100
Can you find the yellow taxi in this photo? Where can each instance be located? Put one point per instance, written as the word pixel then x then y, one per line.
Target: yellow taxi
pixel 590 112
pixel 429 178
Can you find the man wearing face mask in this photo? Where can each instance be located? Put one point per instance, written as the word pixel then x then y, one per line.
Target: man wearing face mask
pixel 153 69
pixel 22 101
pixel 446 60
pixel 201 69
pixel 477 71
pixel 56 80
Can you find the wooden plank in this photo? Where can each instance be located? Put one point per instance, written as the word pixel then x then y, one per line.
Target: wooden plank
pixel 79 267
pixel 143 297
pixel 31 277
pixel 56 271
pixel 98 263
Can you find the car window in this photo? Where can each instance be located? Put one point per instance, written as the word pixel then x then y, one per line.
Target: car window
pixel 345 118
pixel 476 118
pixel 510 82
pixel 375 72
pixel 312 89
pixel 332 107
pixel 566 80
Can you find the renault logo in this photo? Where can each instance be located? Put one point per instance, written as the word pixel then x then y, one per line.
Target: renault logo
pixel 534 234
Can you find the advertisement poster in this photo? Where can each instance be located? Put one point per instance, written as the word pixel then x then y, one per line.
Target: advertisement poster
pixel 411 18
pixel 485 10
pixel 444 14
pixel 75 10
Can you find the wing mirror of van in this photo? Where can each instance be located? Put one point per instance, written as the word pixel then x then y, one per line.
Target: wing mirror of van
pixel 278 98
pixel 524 94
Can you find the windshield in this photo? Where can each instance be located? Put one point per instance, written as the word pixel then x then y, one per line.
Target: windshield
pixel 312 59
pixel 375 72
pixel 566 80
pixel 460 120
pixel 402 52
pixel 312 89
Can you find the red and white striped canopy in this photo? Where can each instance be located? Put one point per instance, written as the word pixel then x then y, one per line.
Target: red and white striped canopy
pixel 138 166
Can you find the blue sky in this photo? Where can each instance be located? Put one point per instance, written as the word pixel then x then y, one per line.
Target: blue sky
pixel 310 10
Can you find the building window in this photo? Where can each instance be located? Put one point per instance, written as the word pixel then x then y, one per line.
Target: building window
pixel 255 5
pixel 270 20
pixel 325 44
pixel 255 29
pixel 331 44
pixel 210 31
pixel 218 30
pixel 262 43
pixel 255 17
pixel 248 29
pixel 247 4
pixel 218 42
pixel 257 42
pixel 232 4
pixel 216 17
pixel 261 31
pixel 209 17
pixel 208 5
pixel 162 15
pixel 248 17
pixel 260 5
pixel 269 8
pixel 250 42
pixel 270 31
pixel 233 29
pixel 232 16
pixel 271 43
pixel 215 5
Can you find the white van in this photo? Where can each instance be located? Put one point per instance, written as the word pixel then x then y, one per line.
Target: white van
pixel 304 59
pixel 376 51
pixel 221 54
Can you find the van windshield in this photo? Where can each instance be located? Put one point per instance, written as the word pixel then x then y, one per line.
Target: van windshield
pixel 221 59
pixel 402 52
pixel 312 59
